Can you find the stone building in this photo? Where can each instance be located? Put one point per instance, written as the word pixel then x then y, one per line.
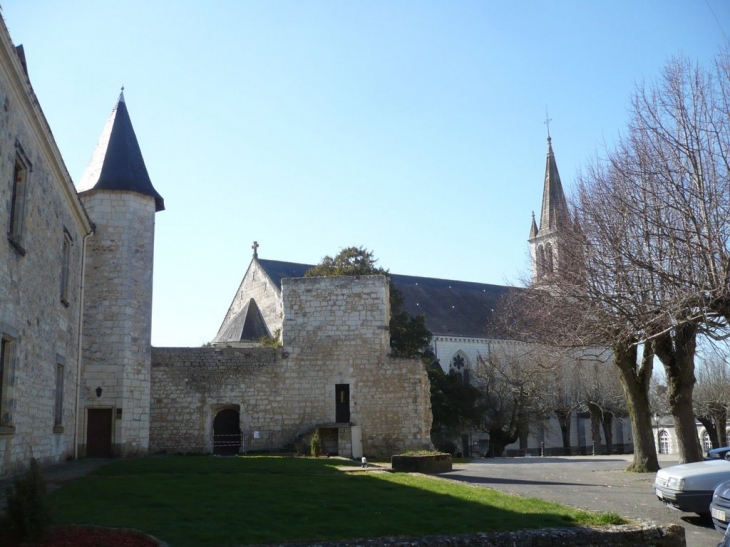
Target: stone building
pixel 78 375
pixel 45 227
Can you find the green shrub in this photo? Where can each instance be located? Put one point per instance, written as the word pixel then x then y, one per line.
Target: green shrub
pixel 27 513
pixel 316 445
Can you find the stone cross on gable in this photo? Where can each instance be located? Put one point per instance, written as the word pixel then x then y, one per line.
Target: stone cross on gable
pixel 255 248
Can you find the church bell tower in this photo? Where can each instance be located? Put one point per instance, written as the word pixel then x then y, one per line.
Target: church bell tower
pixel 116 190
pixel 545 239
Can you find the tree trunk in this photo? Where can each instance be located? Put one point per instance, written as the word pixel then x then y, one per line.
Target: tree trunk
pixel 523 429
pixel 564 416
pixel 596 419
pixel 709 426
pixel 608 431
pixel 676 351
pixel 635 382
pixel 718 411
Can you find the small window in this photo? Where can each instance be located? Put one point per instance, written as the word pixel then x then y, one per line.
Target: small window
pixel 18 200
pixel 58 406
pixel 65 266
pixel 7 366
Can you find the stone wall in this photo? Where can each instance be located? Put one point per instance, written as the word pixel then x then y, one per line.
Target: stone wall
pixel 335 334
pixel 118 315
pixel 39 325
pixel 671 535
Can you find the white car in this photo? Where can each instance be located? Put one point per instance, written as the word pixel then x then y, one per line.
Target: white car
pixel 689 487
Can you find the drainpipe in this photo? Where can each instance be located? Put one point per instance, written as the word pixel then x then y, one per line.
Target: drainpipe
pixel 79 345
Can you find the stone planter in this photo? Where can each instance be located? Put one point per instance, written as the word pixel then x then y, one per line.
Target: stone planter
pixel 426 463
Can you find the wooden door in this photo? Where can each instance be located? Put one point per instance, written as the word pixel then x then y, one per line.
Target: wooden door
pixel 342 403
pixel 99 433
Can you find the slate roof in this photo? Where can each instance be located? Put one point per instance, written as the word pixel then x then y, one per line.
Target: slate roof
pixel 117 162
pixel 247 325
pixel 452 308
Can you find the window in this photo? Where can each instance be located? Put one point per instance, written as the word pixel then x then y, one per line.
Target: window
pixel 18 199
pixel 460 366
pixel 540 261
pixel 58 406
pixel 663 442
pixel 65 266
pixel 706 443
pixel 549 258
pixel 7 366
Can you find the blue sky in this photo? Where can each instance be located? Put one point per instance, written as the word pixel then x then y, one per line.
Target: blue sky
pixel 413 128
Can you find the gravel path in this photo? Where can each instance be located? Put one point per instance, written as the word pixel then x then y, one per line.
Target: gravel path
pixel 597 483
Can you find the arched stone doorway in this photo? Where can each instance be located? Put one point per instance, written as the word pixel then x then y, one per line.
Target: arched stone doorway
pixel 227 432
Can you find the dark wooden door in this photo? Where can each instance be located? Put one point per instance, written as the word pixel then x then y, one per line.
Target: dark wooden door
pixel 342 403
pixel 227 432
pixel 99 433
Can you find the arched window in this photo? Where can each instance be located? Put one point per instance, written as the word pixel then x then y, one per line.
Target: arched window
pixel 460 365
pixel 706 443
pixel 727 437
pixel 540 261
pixel 549 258
pixel 663 442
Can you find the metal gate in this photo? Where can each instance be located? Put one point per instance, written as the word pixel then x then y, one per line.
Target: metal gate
pixel 227 432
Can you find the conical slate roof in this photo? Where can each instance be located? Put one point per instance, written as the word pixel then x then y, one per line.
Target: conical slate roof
pixel 117 162
pixel 247 325
pixel 554 213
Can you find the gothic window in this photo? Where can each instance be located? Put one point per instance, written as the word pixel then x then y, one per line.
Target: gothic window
pixel 540 261
pixel 706 443
pixel 460 366
pixel 65 266
pixel 549 258
pixel 18 200
pixel 663 442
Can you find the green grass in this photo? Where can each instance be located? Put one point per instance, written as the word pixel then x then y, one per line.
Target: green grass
pixel 202 501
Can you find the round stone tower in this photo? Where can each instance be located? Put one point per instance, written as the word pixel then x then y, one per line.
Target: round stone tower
pixel 114 397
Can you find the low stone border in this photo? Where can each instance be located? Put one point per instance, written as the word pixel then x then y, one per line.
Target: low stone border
pixel 670 535
pixel 430 463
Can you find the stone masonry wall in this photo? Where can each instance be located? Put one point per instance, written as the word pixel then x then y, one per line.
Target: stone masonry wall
pixel 43 328
pixel 335 333
pixel 118 315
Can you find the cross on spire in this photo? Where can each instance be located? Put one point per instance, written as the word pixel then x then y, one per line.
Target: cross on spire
pixel 255 248
pixel 547 122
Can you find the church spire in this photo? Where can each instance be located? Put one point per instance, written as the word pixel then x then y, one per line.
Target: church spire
pixel 546 240
pixel 117 162
pixel 554 215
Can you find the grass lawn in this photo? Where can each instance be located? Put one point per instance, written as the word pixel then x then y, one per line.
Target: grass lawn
pixel 195 501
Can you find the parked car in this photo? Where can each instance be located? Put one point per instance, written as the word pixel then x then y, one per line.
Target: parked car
pixel 720 506
pixel 689 487
pixel 717 453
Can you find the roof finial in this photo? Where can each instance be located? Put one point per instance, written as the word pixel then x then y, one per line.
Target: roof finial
pixel 547 122
pixel 121 94
pixel 255 248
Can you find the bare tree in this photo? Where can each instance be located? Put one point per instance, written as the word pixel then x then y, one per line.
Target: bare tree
pixel 712 392
pixel 511 378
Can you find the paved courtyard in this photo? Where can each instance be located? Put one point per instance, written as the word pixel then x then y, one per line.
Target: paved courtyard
pixel 589 482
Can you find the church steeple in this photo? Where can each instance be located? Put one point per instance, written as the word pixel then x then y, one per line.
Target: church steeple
pixel 554 220
pixel 554 213
pixel 117 162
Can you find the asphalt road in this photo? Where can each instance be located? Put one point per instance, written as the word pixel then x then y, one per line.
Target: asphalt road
pixel 597 483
